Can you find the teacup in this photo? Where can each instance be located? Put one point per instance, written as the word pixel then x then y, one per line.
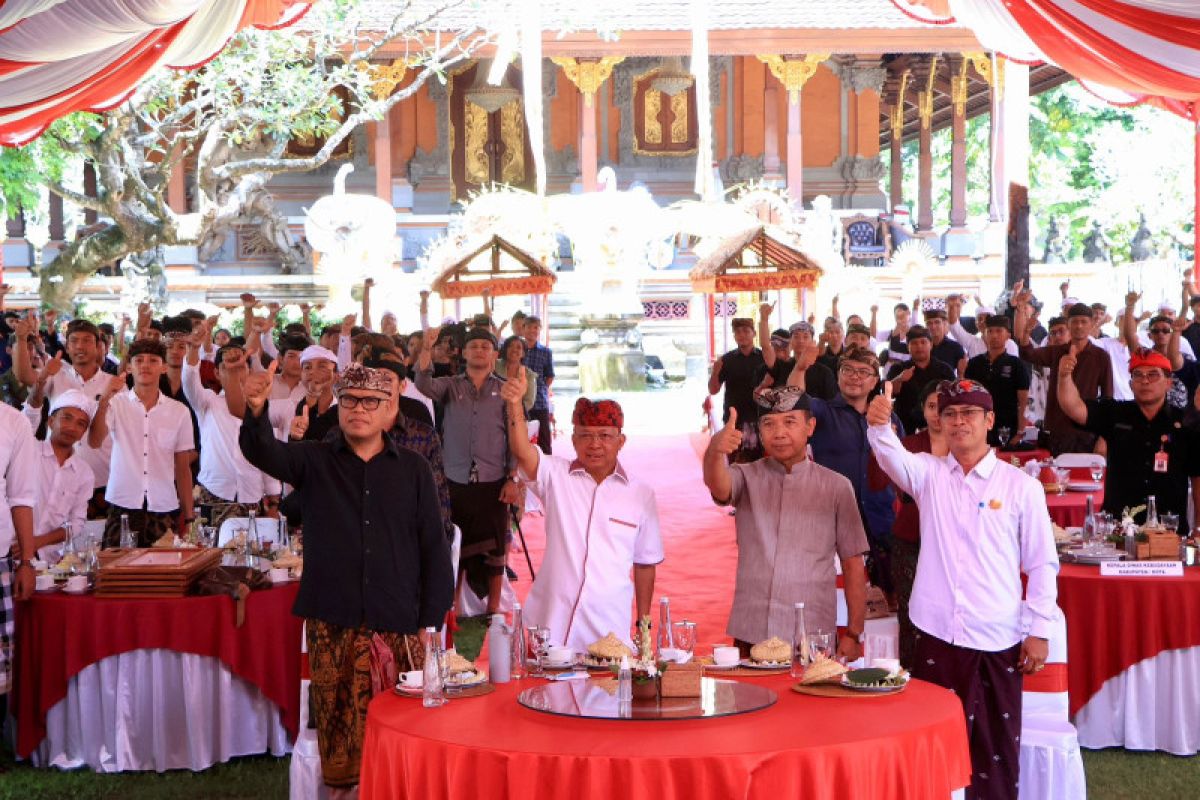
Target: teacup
pixel 557 654
pixel 278 574
pixel 77 583
pixel 725 656
pixel 413 679
pixel 44 581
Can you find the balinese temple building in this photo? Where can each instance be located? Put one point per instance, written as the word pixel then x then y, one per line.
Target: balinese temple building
pixel 812 97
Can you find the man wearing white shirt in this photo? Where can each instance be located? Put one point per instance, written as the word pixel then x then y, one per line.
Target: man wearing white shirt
pixel 84 374
pixel 150 476
pixel 64 480
pixel 600 524
pixel 228 484
pixel 286 385
pixel 983 523
pixel 18 493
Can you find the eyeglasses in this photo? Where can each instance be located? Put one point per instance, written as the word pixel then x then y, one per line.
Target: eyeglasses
pixel 863 373
pixel 602 438
pixel 1146 376
pixel 353 401
pixel 961 414
pixel 1163 331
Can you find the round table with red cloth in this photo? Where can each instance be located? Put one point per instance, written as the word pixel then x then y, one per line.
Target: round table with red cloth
pixel 1116 622
pixel 1069 509
pixel 912 744
pixel 58 635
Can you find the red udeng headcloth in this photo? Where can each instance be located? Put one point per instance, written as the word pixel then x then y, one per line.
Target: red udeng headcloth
pixel 598 414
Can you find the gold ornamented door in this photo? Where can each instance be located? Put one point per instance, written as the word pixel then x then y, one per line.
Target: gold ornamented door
pixel 487 147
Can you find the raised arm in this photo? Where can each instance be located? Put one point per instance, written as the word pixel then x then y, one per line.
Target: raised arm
pixel 98 431
pixel 764 334
pixel 1173 345
pixel 907 470
pixel 1129 321
pixel 1068 393
pixel 523 451
pixel 284 461
pixel 874 322
pixel 717 476
pixel 366 303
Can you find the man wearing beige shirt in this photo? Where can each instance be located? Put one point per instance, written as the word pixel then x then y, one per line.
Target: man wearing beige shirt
pixel 793 516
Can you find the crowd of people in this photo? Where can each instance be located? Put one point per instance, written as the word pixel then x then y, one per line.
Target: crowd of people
pixel 877 446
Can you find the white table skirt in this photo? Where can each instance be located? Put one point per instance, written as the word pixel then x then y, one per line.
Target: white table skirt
pixel 1153 705
pixel 159 710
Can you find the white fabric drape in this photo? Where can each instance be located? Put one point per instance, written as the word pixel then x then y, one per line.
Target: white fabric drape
pixel 159 710
pixel 1153 705
pixel 531 78
pixel 704 149
pixel 996 29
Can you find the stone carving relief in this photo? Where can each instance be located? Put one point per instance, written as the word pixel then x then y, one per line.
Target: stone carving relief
pixel 858 74
pixel 741 169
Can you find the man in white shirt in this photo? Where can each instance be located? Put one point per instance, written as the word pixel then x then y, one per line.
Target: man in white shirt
pixel 228 484
pixel 150 476
pixel 64 480
pixel 18 492
pixel 84 374
pixel 286 385
pixel 983 523
pixel 600 524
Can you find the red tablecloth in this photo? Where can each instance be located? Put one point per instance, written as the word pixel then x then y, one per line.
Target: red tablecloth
pixel 905 746
pixel 58 635
pixel 1069 509
pixel 1113 623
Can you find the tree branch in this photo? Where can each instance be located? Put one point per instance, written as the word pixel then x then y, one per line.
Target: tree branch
pixel 81 200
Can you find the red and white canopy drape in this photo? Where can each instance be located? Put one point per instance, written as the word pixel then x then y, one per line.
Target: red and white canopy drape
pixel 59 56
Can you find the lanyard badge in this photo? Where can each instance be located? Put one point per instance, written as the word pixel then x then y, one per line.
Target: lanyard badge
pixel 1161 459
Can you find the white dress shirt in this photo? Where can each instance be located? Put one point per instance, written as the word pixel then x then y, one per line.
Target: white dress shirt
pixel 1118 354
pixel 979 532
pixel 595 533
pixel 63 492
pixel 18 475
pixel 410 390
pixel 224 471
pixel 99 458
pixel 974 345
pixel 144 447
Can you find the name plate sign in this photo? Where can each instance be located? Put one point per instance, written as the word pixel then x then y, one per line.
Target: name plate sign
pixel 1142 569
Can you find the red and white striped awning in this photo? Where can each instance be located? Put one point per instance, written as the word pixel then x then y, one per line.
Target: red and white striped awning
pixel 1124 50
pixel 59 56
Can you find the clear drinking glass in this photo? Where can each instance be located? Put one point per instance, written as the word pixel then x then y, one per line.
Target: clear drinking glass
pixel 539 638
pixel 1097 472
pixel 821 643
pixel 1063 476
pixel 685 637
pixel 1169 521
pixel 1004 434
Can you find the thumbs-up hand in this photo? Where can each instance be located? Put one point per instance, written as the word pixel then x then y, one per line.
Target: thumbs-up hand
pixel 728 440
pixel 258 387
pixel 879 412
pixel 52 368
pixel 1066 365
pixel 299 425
pixel 513 390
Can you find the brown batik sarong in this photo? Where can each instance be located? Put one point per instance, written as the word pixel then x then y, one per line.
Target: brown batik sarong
pixel 904 572
pixel 222 509
pixel 147 526
pixel 339 661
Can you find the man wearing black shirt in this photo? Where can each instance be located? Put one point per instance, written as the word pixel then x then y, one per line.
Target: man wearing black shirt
pixel 1192 331
pixel 834 338
pixel 737 370
pixel 819 380
pixel 1153 449
pixel 909 377
pixel 377 566
pixel 1005 376
pixel 944 349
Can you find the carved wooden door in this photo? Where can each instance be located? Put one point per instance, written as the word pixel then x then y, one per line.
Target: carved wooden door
pixel 487 147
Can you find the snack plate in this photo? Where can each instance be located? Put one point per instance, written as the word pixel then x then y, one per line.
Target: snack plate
pixel 476 678
pixel 1084 487
pixel 750 663
pixel 873 689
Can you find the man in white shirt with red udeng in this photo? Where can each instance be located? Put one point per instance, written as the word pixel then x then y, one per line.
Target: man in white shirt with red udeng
pixel 983 523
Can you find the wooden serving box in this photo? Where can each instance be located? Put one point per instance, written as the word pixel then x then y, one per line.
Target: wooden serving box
pixel 154 572
pixel 681 680
pixel 1162 545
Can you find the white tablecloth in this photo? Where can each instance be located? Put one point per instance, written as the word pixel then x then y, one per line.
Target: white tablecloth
pixel 159 710
pixel 1153 705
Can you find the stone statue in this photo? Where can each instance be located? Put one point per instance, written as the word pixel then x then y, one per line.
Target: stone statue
pixel 1056 246
pixel 1140 247
pixel 1095 245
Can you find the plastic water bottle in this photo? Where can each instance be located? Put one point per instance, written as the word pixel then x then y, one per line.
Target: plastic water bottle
pixel 518 645
pixel 666 637
pixel 625 682
pixel 499 650
pixel 433 692
pixel 253 541
pixel 126 534
pixel 1151 512
pixel 800 655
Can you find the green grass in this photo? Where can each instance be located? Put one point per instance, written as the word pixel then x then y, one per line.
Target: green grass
pixel 250 778
pixel 1120 774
